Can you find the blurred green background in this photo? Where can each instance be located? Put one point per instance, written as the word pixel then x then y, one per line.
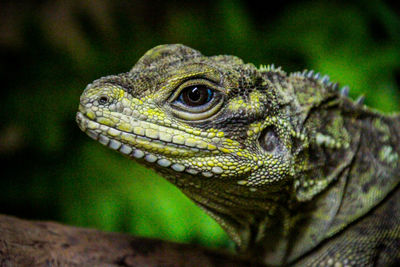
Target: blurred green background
pixel 50 50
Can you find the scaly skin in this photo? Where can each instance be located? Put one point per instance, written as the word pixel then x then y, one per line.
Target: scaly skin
pixel 292 169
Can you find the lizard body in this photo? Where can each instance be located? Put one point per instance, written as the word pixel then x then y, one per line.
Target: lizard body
pixel 291 168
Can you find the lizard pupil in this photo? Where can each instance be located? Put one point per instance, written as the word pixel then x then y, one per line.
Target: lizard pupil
pixel 196 95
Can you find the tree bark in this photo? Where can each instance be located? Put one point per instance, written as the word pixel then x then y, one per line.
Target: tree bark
pixel 31 243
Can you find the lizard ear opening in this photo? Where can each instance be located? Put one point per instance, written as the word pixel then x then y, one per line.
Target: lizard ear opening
pixel 271 143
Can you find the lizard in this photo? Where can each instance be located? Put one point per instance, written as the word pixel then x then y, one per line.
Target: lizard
pixel 294 170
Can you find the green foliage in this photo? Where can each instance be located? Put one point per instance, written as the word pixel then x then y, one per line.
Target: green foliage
pixel 55 172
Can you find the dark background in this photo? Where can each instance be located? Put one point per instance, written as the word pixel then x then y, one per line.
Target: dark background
pixel 50 50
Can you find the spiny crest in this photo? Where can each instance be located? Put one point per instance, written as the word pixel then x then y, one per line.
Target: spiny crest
pixel 269 67
pixel 360 100
pixel 325 80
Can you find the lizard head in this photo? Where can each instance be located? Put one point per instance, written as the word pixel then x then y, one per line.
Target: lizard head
pixel 210 125
pixel 212 117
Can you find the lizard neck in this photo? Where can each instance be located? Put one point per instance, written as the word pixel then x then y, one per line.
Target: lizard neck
pixel 358 178
pixel 246 216
pixel 375 170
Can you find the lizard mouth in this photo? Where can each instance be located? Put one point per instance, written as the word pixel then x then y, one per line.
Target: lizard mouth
pixel 154 147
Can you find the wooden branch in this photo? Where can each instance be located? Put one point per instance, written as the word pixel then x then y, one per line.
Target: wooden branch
pixel 30 243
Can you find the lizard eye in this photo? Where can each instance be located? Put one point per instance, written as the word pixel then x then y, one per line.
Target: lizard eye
pixel 195 95
pixel 196 100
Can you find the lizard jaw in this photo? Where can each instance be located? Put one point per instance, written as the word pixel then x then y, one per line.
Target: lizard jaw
pixel 118 141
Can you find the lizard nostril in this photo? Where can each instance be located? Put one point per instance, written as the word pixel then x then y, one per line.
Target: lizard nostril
pixel 103 100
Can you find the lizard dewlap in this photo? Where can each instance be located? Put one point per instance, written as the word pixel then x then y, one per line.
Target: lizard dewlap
pixel 294 171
